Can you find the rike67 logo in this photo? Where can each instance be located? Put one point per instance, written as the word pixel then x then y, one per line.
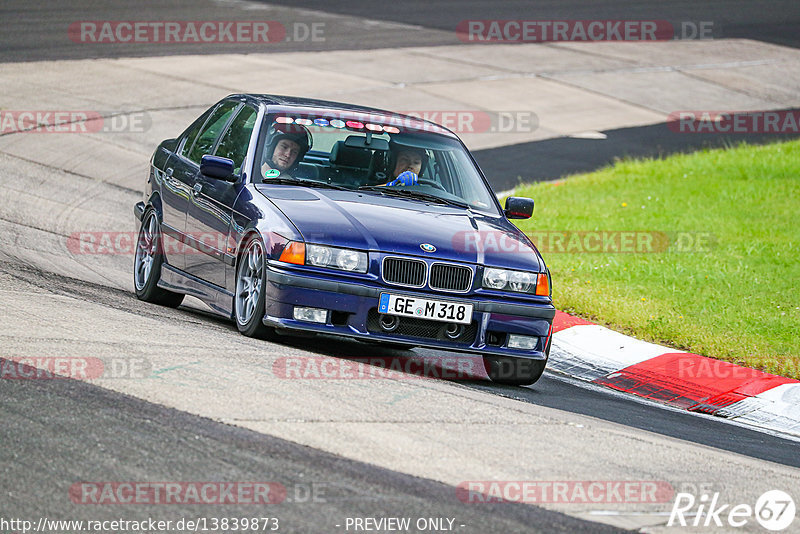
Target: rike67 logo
pixel 774 510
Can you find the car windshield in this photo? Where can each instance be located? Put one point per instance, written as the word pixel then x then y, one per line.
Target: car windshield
pixel 372 157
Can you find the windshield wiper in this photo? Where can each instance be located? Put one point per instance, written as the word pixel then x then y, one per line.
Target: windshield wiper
pixel 414 194
pixel 303 182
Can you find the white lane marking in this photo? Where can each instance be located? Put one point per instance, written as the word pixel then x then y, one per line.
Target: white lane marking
pixel 592 351
pixel 642 400
pixel 588 135
pixel 777 409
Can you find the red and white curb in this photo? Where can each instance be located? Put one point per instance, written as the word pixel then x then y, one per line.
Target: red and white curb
pixel 684 380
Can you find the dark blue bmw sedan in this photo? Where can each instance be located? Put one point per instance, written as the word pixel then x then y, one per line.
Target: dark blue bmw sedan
pixel 292 215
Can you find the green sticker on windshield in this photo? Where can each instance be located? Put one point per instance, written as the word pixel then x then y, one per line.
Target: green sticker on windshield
pixel 272 173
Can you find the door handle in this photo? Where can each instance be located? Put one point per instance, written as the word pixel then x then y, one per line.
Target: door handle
pixel 198 187
pixel 169 171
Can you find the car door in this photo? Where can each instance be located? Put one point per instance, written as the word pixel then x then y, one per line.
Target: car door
pixel 209 211
pixel 175 188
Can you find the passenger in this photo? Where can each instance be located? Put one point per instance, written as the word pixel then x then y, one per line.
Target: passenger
pixel 288 144
pixel 409 163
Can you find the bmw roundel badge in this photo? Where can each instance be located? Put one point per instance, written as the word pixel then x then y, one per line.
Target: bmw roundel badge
pixel 427 247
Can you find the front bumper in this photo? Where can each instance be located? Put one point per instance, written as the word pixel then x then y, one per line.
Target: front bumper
pixel 353 313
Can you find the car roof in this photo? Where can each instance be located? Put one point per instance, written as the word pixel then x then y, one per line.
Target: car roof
pixel 288 104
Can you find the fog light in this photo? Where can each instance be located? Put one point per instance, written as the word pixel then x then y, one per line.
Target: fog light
pixel 454 331
pixel 522 342
pixel 389 323
pixel 312 315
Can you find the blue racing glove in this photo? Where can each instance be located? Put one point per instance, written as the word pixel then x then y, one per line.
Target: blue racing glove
pixel 405 178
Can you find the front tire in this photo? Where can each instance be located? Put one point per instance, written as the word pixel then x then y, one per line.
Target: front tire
pixel 147 265
pixel 251 288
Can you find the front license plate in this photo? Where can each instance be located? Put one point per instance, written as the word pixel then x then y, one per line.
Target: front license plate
pixel 434 310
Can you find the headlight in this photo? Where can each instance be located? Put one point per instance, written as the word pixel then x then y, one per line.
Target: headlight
pixel 349 260
pixel 521 281
pixel 319 256
pixel 517 281
pixel 495 278
pixel 336 258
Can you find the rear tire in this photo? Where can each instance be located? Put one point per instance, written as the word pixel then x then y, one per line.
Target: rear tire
pixel 251 288
pixel 147 264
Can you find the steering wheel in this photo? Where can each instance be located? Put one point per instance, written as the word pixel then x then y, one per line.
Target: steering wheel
pixel 432 183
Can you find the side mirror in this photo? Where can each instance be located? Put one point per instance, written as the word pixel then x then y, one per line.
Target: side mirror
pixel 217 167
pixel 519 208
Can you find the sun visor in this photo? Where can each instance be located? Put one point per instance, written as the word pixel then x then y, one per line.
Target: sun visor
pixel 424 141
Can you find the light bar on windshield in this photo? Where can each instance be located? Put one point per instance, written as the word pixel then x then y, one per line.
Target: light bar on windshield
pixel 337 123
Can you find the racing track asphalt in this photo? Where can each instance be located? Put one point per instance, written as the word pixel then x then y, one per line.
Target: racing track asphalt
pixel 59 432
pixel 56 433
pixel 511 165
pixel 61 304
pixel 36 30
pixel 776 22
pixel 552 391
pixel 66 431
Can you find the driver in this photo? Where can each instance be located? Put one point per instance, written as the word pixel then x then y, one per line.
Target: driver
pixel 409 162
pixel 288 144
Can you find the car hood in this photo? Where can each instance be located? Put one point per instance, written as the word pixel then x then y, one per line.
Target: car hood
pixel 370 221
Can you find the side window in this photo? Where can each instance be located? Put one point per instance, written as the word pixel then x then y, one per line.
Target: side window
pixel 213 127
pixel 191 133
pixel 450 179
pixel 237 138
pixel 443 173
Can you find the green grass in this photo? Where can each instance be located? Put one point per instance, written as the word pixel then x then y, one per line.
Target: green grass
pixel 736 299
